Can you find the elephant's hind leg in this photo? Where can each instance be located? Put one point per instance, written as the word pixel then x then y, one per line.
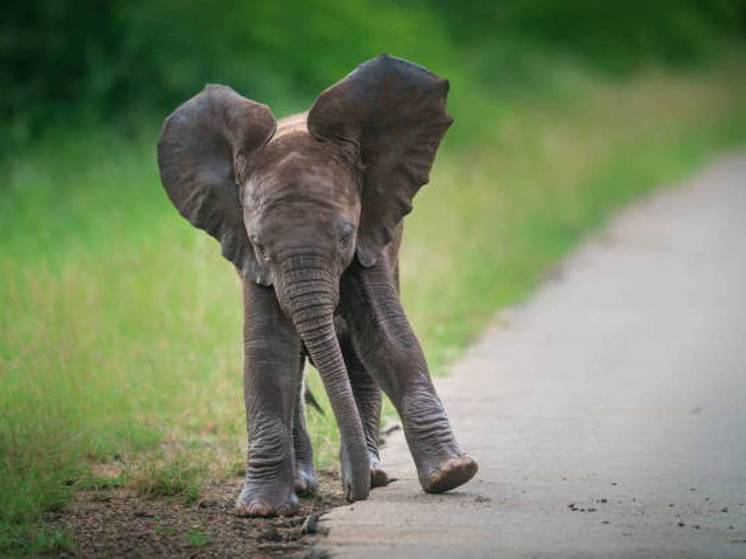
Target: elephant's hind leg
pixel 368 399
pixel 306 482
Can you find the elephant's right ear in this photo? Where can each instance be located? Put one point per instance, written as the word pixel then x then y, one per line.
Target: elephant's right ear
pixel 205 152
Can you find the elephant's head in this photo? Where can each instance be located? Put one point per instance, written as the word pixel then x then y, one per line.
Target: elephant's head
pixel 293 205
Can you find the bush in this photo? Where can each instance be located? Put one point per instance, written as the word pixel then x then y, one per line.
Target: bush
pixel 103 59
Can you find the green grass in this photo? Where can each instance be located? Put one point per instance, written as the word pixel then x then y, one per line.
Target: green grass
pixel 197 538
pixel 177 476
pixel 120 330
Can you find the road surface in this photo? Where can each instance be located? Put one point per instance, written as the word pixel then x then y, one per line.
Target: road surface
pixel 608 413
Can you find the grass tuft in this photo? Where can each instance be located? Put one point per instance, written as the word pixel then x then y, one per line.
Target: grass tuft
pixel 197 538
pixel 178 477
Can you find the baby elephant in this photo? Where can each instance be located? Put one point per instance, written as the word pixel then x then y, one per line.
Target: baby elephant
pixel 309 210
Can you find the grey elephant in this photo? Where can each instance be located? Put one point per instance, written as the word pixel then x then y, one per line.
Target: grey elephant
pixel 309 210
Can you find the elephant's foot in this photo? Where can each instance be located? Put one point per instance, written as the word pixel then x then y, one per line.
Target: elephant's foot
pixel 306 482
pixel 441 464
pixel 266 499
pixel 378 476
pixel 449 474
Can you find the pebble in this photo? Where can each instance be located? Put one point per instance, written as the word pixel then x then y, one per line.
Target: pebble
pixel 310 524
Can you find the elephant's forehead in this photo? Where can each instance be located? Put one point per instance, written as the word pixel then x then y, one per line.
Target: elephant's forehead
pixel 297 162
pixel 298 175
pixel 303 168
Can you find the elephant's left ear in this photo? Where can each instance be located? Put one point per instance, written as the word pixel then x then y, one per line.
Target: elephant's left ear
pixel 394 111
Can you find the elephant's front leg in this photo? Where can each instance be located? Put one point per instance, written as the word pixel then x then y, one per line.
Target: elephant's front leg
pixel 391 353
pixel 271 355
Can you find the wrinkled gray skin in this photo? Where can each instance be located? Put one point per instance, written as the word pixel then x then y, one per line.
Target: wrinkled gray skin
pixel 310 210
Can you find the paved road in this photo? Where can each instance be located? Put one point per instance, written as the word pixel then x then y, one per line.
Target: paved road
pixel 608 414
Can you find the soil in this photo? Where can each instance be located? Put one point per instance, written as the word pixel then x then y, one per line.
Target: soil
pixel 118 522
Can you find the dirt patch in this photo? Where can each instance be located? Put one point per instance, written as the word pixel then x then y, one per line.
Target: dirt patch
pixel 120 523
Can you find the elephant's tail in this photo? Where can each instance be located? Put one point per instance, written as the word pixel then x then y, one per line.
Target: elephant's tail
pixel 311 400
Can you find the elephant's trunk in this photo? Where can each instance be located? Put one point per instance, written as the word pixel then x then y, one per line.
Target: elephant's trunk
pixel 309 295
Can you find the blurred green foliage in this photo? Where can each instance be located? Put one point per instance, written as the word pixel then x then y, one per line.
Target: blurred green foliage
pixel 102 59
pixel 109 58
pixel 610 35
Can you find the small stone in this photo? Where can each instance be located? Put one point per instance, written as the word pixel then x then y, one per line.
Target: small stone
pixel 270 535
pixel 208 504
pixel 310 524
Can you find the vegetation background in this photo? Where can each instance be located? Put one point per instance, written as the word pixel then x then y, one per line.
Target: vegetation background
pixel 120 327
